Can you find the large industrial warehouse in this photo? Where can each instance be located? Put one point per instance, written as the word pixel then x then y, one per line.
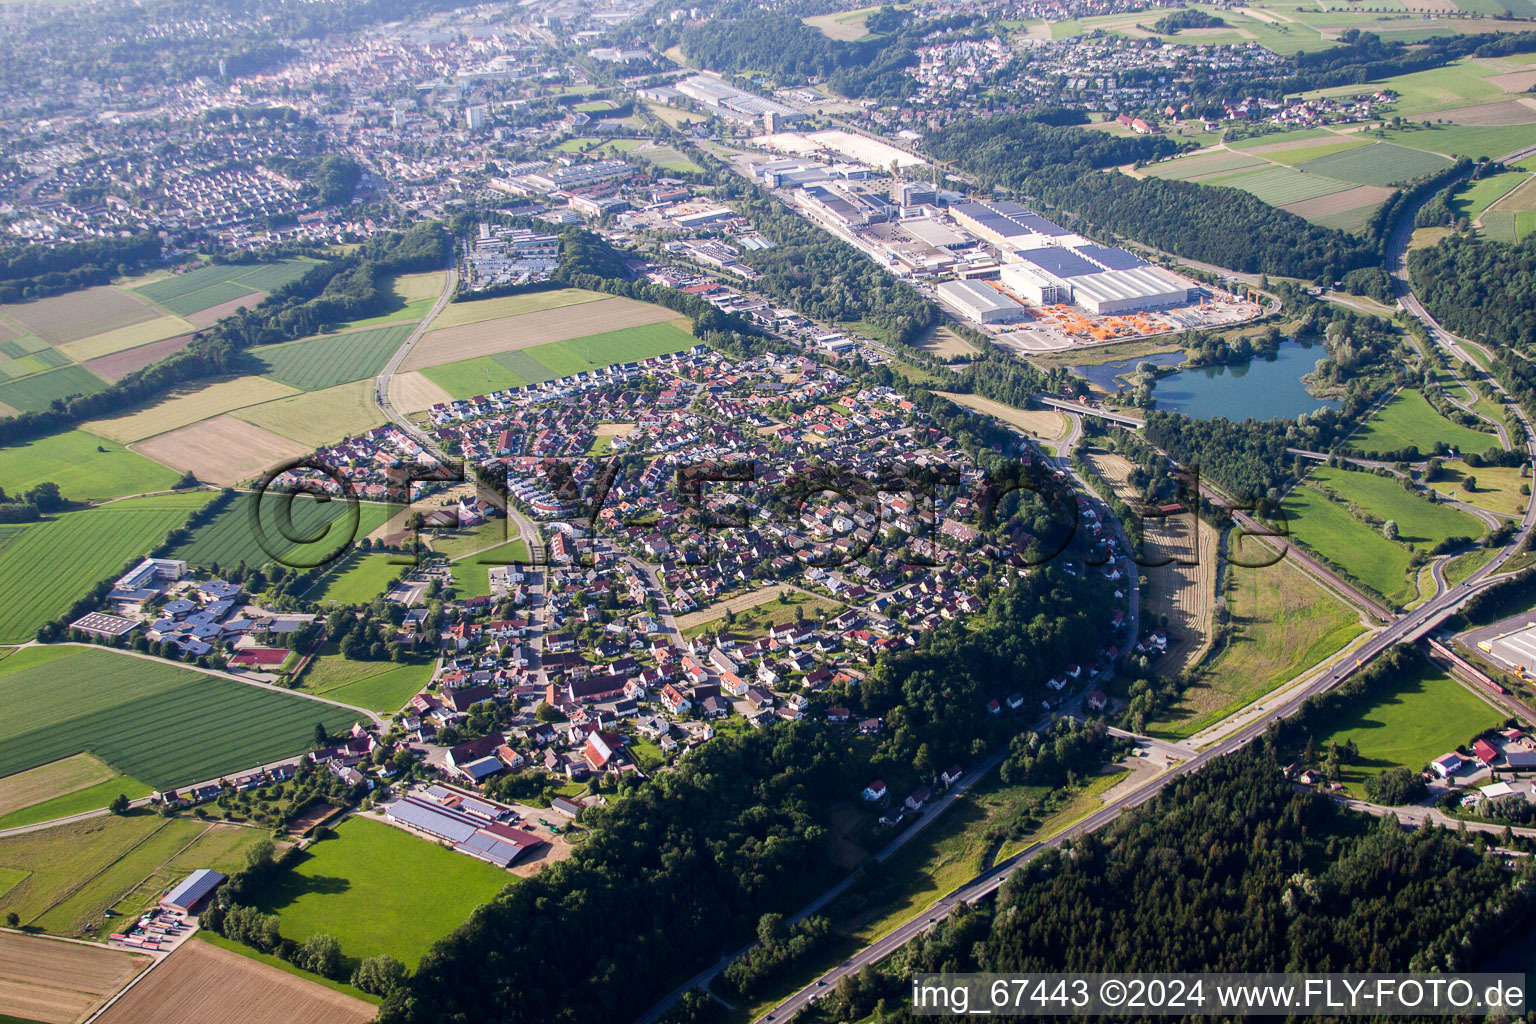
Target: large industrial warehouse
pixel 1047 264
pixel 980 302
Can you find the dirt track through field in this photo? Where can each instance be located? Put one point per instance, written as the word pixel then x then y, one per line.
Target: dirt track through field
pixel 510 334
pixel 201 983
pixel 57 982
pixel 1184 593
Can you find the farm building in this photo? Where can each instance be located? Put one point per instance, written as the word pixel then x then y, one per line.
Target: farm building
pixel 490 841
pixel 196 888
pixel 978 302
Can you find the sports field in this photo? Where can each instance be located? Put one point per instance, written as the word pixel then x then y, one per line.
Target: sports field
pixel 55 982
pixel 215 284
pixel 45 567
pixel 1409 420
pixel 349 886
pixel 319 418
pixel 358 579
pixel 472 576
pixel 222 450
pixel 1429 714
pixel 74 873
pixel 187 405
pixel 62 788
pixel 60 709
pixel 331 359
pixel 37 392
pixel 76 462
pixel 319 530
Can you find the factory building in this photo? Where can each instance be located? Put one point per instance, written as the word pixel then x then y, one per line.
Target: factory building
pixel 732 102
pixel 1006 225
pixel 1032 285
pixel 980 302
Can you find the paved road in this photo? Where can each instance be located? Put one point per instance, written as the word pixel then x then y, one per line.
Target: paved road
pixel 1065 405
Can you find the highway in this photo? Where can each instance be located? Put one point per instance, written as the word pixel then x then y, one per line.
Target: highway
pixel 1407 627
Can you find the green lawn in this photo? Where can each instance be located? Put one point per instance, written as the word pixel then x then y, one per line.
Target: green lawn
pixel 1281 623
pixel 454 544
pixel 331 359
pixel 72 460
pixel 380 890
pixel 317 531
pixel 158 722
pixel 1409 420
pixel 1428 715
pixel 47 566
pixel 359 578
pixel 472 576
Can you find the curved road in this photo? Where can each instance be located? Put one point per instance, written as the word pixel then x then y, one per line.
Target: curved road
pixel 1410 626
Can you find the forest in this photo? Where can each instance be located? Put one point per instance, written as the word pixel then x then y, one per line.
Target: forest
pixel 37 271
pixel 1228 227
pixel 1479 289
pixel 686 865
pixel 1229 869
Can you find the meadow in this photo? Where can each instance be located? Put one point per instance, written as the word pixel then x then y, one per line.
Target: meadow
pixel 75 872
pixel 331 359
pixel 1360 550
pixel 1280 623
pixel 1476 196
pixel 1419 521
pixel 1409 420
pixel 414 296
pixel 85 467
pixel 1429 714
pixel 319 418
pixel 358 578
pixel 215 284
pixel 350 886
pixel 62 788
pixel 1454 140
pixel 58 709
pixel 1378 164
pixel 1498 487
pixel 328 527
pixel 46 567
pixel 382 686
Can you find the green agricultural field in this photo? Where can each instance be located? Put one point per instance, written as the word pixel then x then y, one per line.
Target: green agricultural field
pixel 328 526
pixel 1418 520
pixel 37 392
pixel 1282 624
pixel 59 708
pixel 214 284
pixel 1197 164
pixel 1360 550
pixel 331 359
pixel 1473 198
pixel 1491 141
pixel 478 376
pixel 474 311
pixel 381 686
pixel 350 887
pixel 1302 154
pixel 1409 420
pixel 84 466
pixel 1280 185
pixel 47 566
pixel 359 578
pixel 472 576
pixel 91 798
pixel 622 346
pixel 1379 164
pixel 1429 714
pixel 1273 138
pixel 1454 85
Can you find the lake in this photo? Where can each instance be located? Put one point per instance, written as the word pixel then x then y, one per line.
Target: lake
pixel 1264 388
pixel 1103 375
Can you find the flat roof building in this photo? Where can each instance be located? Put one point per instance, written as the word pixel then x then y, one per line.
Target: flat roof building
pixel 979 302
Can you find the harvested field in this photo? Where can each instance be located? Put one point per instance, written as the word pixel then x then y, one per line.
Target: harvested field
pixel 457 314
pixel 50 780
pixel 201 982
pixel 740 603
pixel 188 405
pixel 319 417
pixel 414 287
pixel 1515 81
pixel 945 343
pixel 132 336
pixel 223 450
pixel 1184 594
pixel 57 982
pixel 309 819
pixel 509 334
pixel 413 391
pixel 1362 197
pixel 82 314
pixel 1502 112
pixel 1043 423
pixel 119 364
pixel 213 314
